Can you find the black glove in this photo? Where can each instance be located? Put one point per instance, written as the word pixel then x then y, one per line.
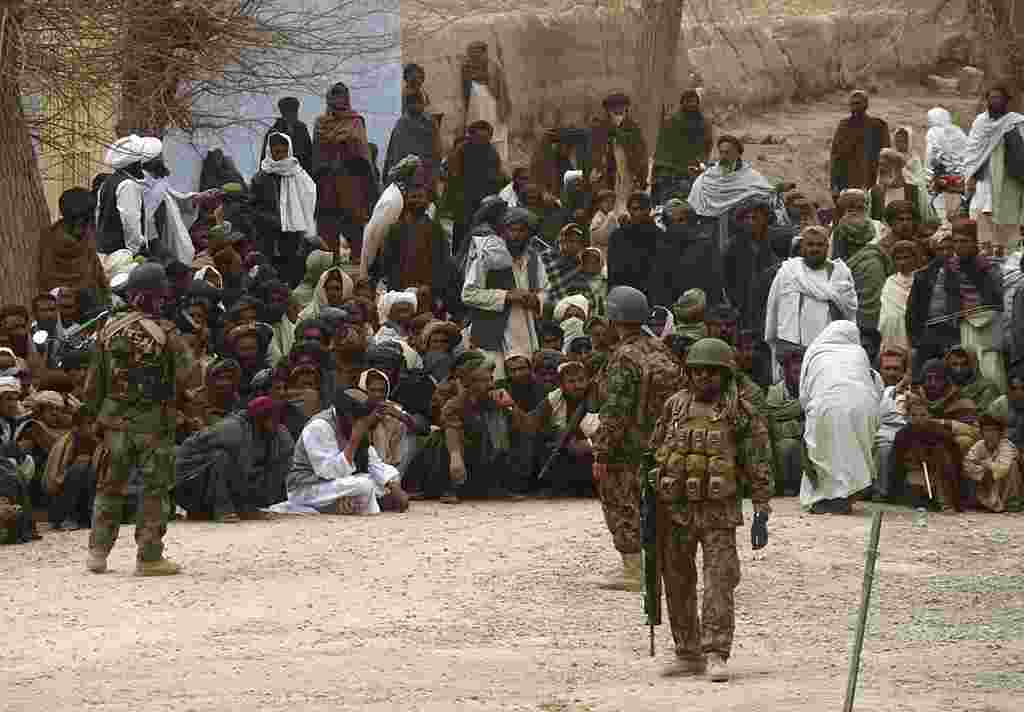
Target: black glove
pixel 759 531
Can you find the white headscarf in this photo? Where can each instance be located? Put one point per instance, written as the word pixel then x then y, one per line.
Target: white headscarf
pixel 576 300
pixel 126 151
pixel 298 191
pixel 10 384
pixel 390 299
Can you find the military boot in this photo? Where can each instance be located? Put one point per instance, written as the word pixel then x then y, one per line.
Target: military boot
pixel 630 577
pixel 97 561
pixel 718 671
pixel 160 567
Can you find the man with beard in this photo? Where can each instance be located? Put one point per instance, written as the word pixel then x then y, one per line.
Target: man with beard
pixel 119 223
pixel 572 471
pixel 237 466
pixel 288 123
pixel 858 141
pixel 631 248
pixel 345 188
pixel 853 241
pixel 284 201
pixel 406 177
pixel 641 374
pixel 944 291
pixel 142 365
pixel 618 152
pixel 474 172
pixel 504 291
pixel 565 276
pixel 247 343
pixel 67 252
pixel 998 195
pixel 808 293
pixel 707 444
pixel 217 398
pixel 962 370
pixel 748 260
pixel 274 296
pixel 786 418
pixel 416 251
pixel 687 137
pixel 416 134
pixel 486 97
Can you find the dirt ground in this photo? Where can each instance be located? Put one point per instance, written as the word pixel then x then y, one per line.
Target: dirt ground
pixel 491 606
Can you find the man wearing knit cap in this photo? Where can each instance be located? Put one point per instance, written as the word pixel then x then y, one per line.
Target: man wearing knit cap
pixel 119 223
pixel 504 291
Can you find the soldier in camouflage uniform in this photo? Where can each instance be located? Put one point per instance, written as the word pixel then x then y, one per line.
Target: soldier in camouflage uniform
pixel 140 364
pixel 707 443
pixel 641 374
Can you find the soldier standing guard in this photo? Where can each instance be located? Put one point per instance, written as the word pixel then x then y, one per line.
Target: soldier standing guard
pixel 642 373
pixel 140 365
pixel 706 444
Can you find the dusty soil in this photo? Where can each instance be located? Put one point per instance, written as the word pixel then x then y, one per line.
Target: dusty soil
pixel 490 606
pixel 806 131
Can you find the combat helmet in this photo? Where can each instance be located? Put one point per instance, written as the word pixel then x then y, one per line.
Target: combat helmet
pixel 711 352
pixel 627 305
pixel 147 277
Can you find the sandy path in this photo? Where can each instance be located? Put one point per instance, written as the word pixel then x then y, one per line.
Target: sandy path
pixel 487 607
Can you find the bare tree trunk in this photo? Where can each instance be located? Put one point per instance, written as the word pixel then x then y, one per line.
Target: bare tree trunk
pixel 657 50
pixel 1000 24
pixel 23 211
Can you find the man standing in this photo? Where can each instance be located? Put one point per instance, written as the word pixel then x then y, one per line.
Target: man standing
pixel 618 152
pixel 642 373
pixel 631 248
pixel 288 123
pixel 415 134
pixel 808 293
pixel 707 444
pixel 504 291
pixel 998 199
pixel 686 138
pixel 119 223
pixel 486 95
pixel 858 141
pixel 142 365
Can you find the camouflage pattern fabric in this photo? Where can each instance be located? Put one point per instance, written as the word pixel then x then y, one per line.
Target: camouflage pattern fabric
pixel 710 523
pixel 619 492
pixel 712 630
pixel 131 385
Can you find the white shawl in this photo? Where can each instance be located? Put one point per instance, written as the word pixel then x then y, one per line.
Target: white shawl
pixel 715 192
pixel 179 215
pixel 985 136
pixel 892 324
pixel 298 191
pixel 946 144
pixel 798 302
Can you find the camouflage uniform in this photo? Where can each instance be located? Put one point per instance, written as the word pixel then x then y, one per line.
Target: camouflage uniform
pixel 131 386
pixel 725 443
pixel 641 374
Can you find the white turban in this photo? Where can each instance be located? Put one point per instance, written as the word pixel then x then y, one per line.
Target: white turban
pixel 364 377
pixel 576 300
pixel 126 151
pixel 151 148
pixel 390 299
pixel 9 384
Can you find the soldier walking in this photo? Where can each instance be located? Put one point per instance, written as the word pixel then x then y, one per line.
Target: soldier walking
pixel 642 373
pixel 140 365
pixel 707 443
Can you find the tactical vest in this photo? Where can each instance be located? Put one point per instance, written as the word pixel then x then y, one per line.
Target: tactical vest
pixel 701 461
pixel 135 345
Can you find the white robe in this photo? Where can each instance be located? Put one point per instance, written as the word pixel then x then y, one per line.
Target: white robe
pixel 798 302
pixel 840 395
pixel 180 213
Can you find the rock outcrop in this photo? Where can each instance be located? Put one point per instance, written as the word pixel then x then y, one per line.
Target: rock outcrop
pixel 559 66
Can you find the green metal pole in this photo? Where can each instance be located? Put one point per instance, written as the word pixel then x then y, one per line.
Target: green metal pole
pixel 865 604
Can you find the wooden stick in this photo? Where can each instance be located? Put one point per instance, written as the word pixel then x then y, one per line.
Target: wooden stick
pixel 865 604
pixel 927 479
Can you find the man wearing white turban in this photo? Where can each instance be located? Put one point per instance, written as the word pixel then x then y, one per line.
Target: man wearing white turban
pixel 119 211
